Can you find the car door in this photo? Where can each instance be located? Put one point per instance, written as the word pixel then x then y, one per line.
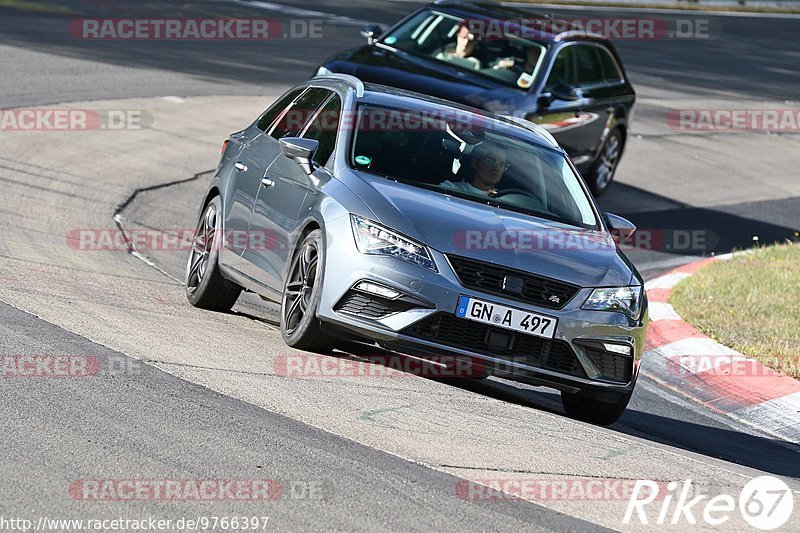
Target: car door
pixel 250 163
pixel 562 116
pixel 598 95
pixel 282 188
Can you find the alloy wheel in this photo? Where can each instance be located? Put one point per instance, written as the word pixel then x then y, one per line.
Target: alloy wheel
pixel 202 246
pixel 299 289
pixel 608 162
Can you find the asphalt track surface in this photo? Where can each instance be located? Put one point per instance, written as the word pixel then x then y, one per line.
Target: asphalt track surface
pixel 175 422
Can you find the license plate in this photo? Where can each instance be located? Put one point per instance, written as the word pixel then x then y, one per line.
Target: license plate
pixel 506 317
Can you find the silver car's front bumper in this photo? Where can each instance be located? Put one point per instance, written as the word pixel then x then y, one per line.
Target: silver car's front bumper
pixel 439 293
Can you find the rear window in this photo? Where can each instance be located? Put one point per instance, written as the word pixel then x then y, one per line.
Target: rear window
pixel 590 68
pixel 611 71
pixel 296 118
pixel 269 116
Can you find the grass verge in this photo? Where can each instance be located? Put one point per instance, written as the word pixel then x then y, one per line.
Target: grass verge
pixel 750 303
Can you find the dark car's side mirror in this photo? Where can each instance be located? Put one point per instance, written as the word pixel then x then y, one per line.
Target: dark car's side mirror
pixel 301 150
pixel 557 92
pixel 372 32
pixel 621 228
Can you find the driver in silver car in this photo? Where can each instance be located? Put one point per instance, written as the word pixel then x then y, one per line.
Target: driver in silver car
pixel 488 168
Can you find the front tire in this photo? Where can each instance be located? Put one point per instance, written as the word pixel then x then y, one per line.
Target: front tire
pixel 300 327
pixel 604 168
pixel 205 286
pixel 594 411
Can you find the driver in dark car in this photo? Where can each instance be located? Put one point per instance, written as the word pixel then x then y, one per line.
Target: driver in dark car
pixel 488 169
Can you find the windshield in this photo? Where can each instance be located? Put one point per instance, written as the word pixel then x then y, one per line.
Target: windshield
pixel 463 155
pixel 447 38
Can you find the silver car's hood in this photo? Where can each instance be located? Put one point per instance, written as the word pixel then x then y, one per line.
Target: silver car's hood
pixel 455 226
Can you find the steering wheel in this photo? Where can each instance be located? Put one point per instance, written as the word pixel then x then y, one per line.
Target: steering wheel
pixel 523 192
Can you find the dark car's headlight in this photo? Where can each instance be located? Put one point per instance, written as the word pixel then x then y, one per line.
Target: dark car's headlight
pixel 625 300
pixel 374 239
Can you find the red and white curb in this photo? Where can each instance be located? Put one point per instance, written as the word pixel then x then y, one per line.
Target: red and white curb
pixel 691 364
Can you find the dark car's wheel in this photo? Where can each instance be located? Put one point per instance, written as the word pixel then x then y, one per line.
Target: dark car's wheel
pixel 300 327
pixel 205 286
pixel 602 173
pixel 593 410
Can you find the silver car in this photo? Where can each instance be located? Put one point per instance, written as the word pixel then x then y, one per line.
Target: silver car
pixel 434 230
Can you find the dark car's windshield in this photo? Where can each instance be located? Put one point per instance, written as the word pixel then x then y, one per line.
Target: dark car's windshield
pixel 463 155
pixel 443 37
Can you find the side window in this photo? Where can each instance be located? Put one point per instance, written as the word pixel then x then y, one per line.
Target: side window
pixel 324 128
pixel 563 71
pixel 276 109
pixel 295 119
pixel 611 71
pixel 590 68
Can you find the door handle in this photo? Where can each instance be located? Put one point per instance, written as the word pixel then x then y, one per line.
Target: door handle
pixel 266 182
pixel 241 167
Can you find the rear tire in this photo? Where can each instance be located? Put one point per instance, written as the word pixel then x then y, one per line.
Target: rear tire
pixel 588 409
pixel 603 170
pixel 300 327
pixel 205 286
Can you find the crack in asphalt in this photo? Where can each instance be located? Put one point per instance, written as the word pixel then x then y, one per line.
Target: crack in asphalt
pixel 119 218
pixel 566 474
pixel 364 416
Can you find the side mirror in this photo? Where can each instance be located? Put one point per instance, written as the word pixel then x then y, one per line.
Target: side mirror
pixel 301 150
pixel 558 92
pixel 564 92
pixel 621 228
pixel 372 32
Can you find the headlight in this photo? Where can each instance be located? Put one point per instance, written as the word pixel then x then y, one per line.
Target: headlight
pixel 322 71
pixel 625 300
pixel 374 239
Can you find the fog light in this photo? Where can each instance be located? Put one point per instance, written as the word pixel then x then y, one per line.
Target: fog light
pixel 380 290
pixel 617 348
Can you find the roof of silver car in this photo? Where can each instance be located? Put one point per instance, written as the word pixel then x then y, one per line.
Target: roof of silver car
pixel 354 82
pixel 542 134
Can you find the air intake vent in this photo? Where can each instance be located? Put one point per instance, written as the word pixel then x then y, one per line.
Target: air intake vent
pixel 512 284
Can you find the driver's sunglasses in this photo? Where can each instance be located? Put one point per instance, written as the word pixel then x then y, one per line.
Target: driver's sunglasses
pixel 496 163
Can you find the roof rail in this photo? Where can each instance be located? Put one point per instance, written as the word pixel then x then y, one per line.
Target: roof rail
pixel 576 33
pixel 354 82
pixel 535 128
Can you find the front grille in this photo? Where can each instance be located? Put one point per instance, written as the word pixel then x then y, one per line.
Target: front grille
pixel 449 330
pixel 488 277
pixel 369 305
pixel 612 367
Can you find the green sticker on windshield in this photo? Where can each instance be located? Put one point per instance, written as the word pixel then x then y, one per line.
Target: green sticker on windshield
pixel 363 160
pixel 390 40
